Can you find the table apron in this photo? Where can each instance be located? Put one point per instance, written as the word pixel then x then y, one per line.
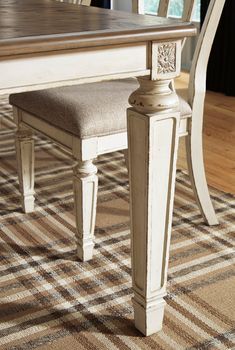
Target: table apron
pixel 68 67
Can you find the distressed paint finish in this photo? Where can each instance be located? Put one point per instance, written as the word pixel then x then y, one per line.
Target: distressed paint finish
pixel 163 9
pixel 153 141
pixel 165 60
pixel 85 182
pixel 153 133
pixel 196 97
pixel 110 34
pixel 24 144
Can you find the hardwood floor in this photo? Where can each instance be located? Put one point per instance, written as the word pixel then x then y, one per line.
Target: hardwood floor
pixel 219 139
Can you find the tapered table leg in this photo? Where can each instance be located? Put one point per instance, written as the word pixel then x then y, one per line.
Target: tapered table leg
pixel 153 139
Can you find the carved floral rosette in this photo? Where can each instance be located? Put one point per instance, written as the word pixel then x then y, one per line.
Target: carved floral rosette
pixel 166 58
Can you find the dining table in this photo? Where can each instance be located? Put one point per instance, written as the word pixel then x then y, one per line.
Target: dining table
pixel 48 43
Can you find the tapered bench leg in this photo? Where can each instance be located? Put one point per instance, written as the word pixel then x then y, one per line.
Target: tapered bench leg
pixel 25 163
pixel 85 183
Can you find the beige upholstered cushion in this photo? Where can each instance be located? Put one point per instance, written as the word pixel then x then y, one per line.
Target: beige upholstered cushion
pixel 88 110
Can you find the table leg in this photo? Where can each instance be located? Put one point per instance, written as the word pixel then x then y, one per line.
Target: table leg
pixel 153 139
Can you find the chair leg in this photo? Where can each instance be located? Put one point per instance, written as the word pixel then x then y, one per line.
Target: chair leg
pixel 85 198
pixel 25 165
pixel 126 157
pixel 197 175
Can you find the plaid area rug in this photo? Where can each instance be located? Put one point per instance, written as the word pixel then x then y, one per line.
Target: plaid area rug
pixel 49 300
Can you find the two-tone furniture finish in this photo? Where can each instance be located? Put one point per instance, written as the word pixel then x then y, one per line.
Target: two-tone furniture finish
pixel 83 44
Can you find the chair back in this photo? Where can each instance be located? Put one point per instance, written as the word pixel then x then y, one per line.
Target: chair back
pixel 77 2
pixel 197 80
pixel 188 9
pixel 85 2
pixel 162 9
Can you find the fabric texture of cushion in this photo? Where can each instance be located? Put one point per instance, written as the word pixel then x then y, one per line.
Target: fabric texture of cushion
pixel 87 110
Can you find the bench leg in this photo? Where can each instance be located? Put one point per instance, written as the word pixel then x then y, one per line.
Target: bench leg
pixel 85 183
pixel 25 163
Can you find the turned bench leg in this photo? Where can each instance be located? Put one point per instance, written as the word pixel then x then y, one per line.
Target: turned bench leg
pixel 25 163
pixel 85 183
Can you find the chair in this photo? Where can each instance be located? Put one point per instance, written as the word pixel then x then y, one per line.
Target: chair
pixel 77 2
pixel 163 9
pixel 70 117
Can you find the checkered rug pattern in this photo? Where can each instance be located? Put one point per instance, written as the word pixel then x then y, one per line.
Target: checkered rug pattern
pixel 50 300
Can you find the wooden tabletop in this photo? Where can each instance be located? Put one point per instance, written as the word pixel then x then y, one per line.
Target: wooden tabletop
pixel 28 26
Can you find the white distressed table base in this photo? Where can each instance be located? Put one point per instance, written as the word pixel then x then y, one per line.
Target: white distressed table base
pixel 149 320
pixel 153 143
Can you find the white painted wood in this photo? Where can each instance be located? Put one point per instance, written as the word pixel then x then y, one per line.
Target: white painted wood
pixel 188 13
pixel 138 6
pixel 163 8
pixel 86 2
pixel 157 49
pixel 77 2
pixel 69 67
pixel 189 9
pixel 126 157
pixel 90 148
pixel 85 183
pixel 183 128
pixel 153 141
pixel 55 134
pixel 25 166
pixel 197 88
pixel 83 149
pixel 85 179
pixel 115 142
pixel 153 129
